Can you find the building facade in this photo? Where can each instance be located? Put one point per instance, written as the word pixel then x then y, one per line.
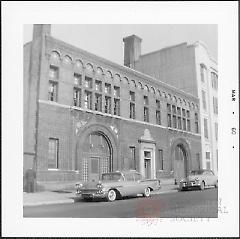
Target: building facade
pixel 191 69
pixel 85 115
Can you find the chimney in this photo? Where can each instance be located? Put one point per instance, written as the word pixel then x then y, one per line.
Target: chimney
pixel 132 50
pixel 41 30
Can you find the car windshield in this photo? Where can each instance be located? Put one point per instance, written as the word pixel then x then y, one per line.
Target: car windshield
pixel 196 172
pixel 111 177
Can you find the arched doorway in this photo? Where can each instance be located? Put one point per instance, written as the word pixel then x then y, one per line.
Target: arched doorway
pixel 96 156
pixel 180 162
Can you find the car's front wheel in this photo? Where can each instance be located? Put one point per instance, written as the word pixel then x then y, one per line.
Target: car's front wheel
pixel 111 196
pixel 147 192
pixel 202 186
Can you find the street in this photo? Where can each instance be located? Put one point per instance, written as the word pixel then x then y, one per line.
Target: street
pixel 176 204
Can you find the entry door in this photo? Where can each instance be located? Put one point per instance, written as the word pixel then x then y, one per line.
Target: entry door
pixel 94 168
pixel 147 168
pixel 179 164
pixel 147 164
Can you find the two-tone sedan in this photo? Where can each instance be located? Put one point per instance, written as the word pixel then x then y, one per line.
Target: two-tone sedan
pixel 199 179
pixel 117 185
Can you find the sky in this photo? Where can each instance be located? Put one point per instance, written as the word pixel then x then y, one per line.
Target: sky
pixel 106 40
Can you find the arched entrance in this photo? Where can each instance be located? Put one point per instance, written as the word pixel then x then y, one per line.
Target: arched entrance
pixel 180 162
pixel 180 158
pixel 96 156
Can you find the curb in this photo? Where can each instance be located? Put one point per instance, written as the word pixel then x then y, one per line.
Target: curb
pixel 65 201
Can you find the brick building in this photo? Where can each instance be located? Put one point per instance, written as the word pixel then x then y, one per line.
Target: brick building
pixel 84 115
pixel 192 69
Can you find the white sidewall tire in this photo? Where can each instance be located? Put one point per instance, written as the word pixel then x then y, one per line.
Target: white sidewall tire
pixel 111 195
pixel 147 192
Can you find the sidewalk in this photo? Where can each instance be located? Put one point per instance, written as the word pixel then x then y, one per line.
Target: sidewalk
pixel 67 196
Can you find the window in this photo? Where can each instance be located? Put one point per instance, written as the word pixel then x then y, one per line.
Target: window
pixel 53 145
pixel 214 77
pixel 98 102
pixel 208 164
pixel 77 79
pixel 132 110
pixel 158 117
pixel 77 97
pixel 107 105
pixel 145 100
pixel 146 114
pixel 203 72
pixel 169 120
pixel 88 100
pixel 88 82
pixel 174 121
pixel 158 113
pixel 133 158
pixel 168 108
pixel 183 112
pixel 188 114
pixel 215 105
pixel 158 105
pixel 132 96
pixel 207 155
pixel 205 128
pixel 129 176
pixel 52 91
pixel 117 107
pixel 116 91
pixel 178 110
pixel 107 88
pixel 54 72
pixel 160 156
pixel 179 123
pixel 184 124
pixel 196 123
pixel 98 86
pixel 216 131
pixel 204 99
pixel 188 125
pixel 174 109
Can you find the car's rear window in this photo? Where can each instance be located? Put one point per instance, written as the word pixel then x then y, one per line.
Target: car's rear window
pixel 197 172
pixel 111 176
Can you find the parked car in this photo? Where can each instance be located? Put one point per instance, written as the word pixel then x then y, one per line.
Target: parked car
pixel 117 185
pixel 200 179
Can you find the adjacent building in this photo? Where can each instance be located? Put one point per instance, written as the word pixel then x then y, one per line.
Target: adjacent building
pixel 85 115
pixel 191 69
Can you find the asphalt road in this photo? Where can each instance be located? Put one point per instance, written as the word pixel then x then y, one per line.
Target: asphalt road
pixel 194 204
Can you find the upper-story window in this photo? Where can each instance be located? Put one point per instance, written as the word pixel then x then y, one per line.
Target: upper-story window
pixel 214 77
pixel 196 123
pixel 77 79
pixel 145 100
pixel 116 106
pixel 205 128
pixel 204 100
pixel 88 99
pixel 203 72
pixel 77 97
pixel 132 96
pixel 98 102
pixel 88 82
pixel 116 91
pixel 215 105
pixel 158 112
pixel 52 91
pixel 107 88
pixel 98 86
pixel 174 109
pixel 146 114
pixel 107 104
pixel 168 108
pixel 53 72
